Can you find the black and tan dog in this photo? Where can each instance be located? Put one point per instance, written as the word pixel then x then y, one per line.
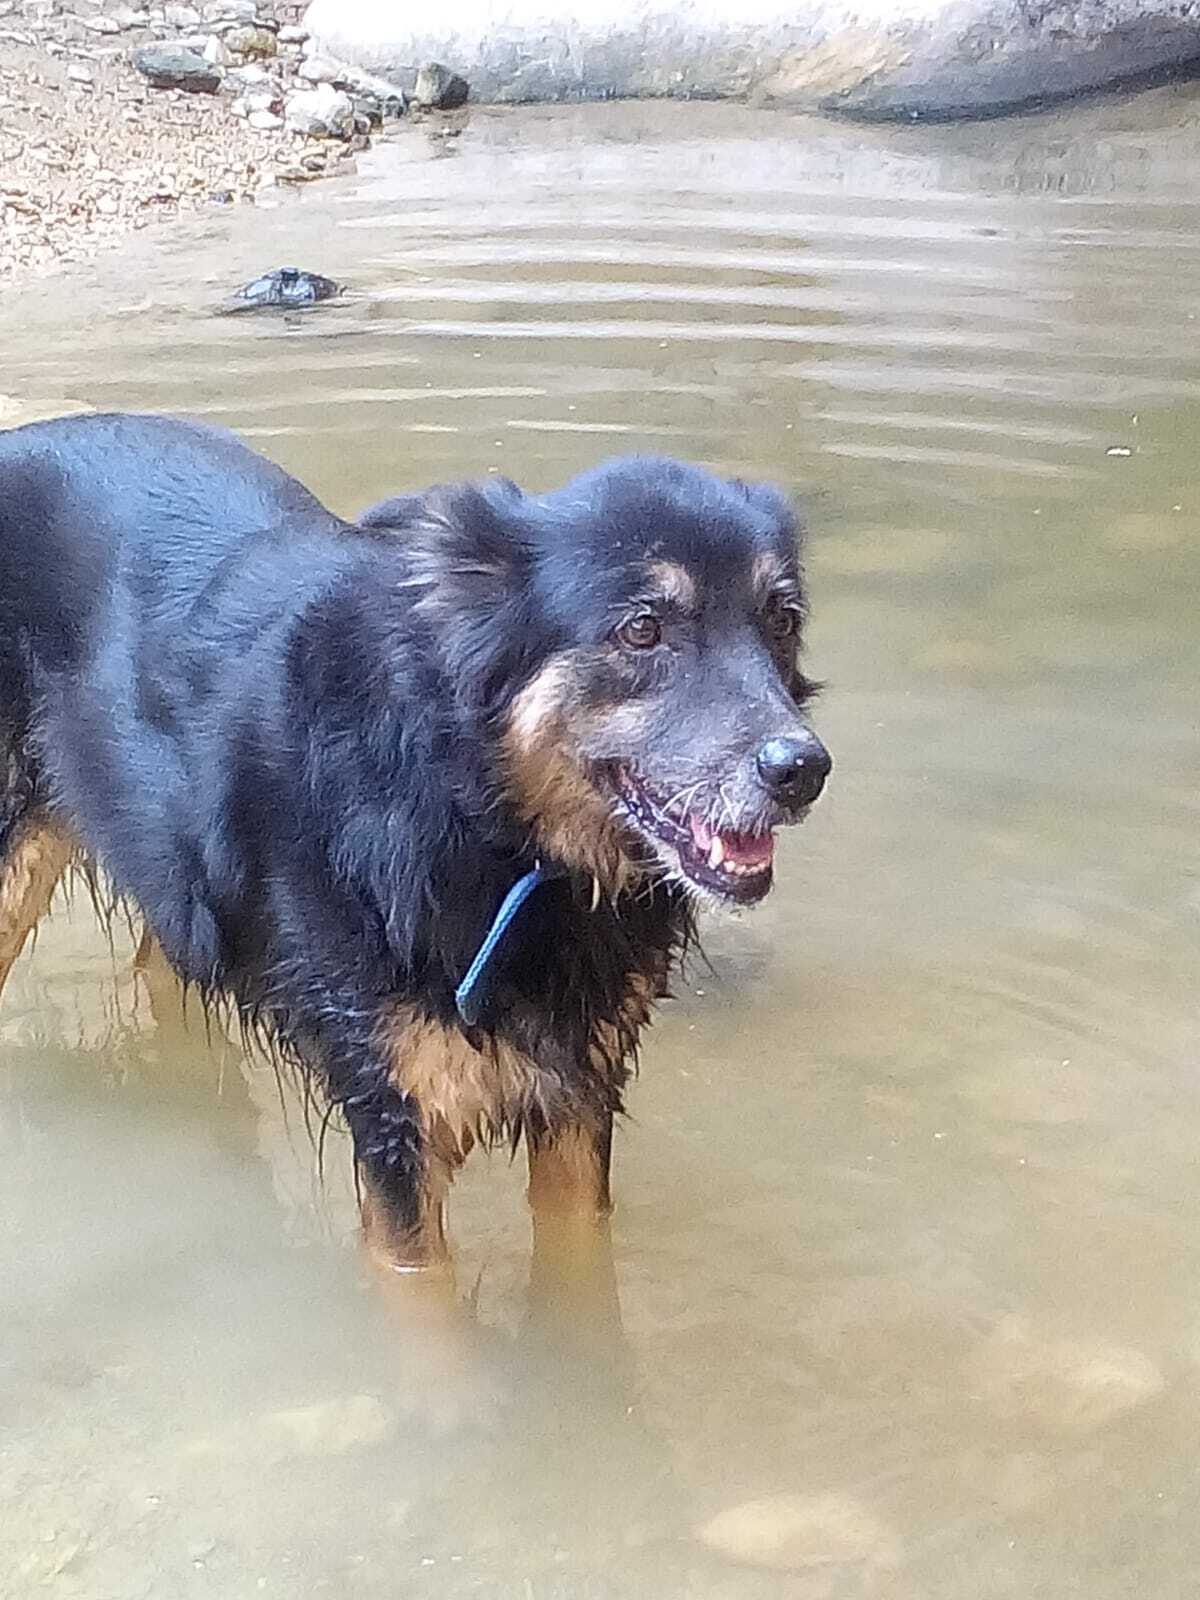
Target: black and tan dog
pixel 433 798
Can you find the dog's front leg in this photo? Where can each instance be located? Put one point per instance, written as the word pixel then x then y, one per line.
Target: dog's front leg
pixel 403 1183
pixel 444 1379
pixel 404 1228
pixel 569 1170
pixel 572 1285
pixel 398 1182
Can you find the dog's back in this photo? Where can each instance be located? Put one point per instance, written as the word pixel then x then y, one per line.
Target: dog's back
pixel 122 539
pixel 88 504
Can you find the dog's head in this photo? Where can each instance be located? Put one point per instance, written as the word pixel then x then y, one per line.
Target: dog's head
pixel 631 641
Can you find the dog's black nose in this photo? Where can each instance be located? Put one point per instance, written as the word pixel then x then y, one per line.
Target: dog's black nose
pixel 794 770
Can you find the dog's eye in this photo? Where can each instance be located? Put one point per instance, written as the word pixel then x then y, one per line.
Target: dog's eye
pixel 642 632
pixel 783 621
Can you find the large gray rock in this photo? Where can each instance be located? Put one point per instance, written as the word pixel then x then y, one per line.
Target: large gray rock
pixel 172 67
pixel 438 89
pixel 870 58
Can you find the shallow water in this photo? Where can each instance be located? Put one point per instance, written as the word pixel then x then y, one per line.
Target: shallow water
pixel 907 1225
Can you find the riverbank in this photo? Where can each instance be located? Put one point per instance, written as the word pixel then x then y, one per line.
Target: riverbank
pixel 891 60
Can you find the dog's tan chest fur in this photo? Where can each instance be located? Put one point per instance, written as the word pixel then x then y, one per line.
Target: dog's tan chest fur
pixel 466 1095
pixel 471 1095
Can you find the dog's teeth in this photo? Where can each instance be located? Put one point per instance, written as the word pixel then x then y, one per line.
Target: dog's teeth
pixel 595 893
pixel 716 853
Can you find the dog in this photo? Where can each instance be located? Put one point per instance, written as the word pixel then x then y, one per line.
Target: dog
pixel 432 798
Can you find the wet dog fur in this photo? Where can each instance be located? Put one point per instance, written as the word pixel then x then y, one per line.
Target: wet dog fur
pixel 316 755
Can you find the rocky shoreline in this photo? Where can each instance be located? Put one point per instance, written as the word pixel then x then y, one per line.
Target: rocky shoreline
pixel 116 116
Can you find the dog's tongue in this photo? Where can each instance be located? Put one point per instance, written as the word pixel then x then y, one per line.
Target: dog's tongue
pixel 726 851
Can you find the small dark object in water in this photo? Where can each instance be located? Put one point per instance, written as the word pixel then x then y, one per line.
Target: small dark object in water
pixel 439 89
pixel 286 286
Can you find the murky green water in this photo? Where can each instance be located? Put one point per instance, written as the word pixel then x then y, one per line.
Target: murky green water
pixel 909 1207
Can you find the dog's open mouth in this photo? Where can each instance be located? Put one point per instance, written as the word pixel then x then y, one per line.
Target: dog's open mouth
pixel 736 866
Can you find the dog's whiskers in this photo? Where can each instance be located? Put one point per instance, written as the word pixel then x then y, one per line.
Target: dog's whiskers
pixel 726 810
pixel 684 797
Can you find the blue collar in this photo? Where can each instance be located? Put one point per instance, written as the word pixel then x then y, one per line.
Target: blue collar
pixel 473 993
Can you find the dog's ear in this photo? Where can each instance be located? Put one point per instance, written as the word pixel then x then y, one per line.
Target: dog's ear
pixel 468 569
pixel 405 511
pixel 395 513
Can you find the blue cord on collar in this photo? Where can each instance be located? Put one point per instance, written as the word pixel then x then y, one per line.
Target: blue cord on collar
pixel 471 996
